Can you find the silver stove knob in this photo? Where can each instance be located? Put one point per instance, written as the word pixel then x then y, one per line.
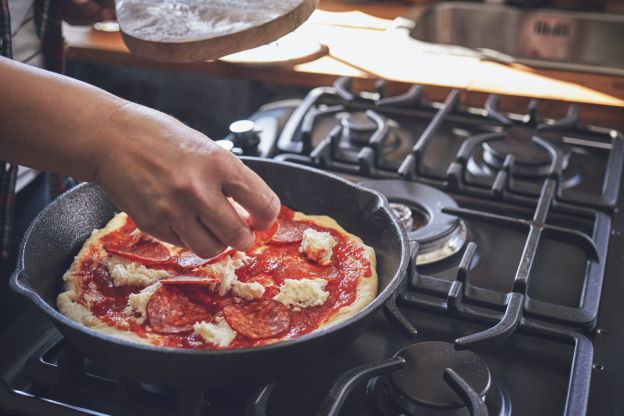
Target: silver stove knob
pixel 244 135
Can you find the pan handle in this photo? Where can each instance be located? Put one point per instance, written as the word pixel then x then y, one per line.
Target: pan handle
pixel 347 381
pixel 20 282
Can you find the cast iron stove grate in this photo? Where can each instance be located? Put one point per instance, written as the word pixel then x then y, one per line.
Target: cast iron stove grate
pixel 480 152
pixel 415 381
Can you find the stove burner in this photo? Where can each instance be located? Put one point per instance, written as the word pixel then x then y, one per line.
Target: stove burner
pixel 412 219
pixel 529 158
pixel 518 142
pixel 419 388
pixel 358 127
pixel 421 381
pixel 497 402
pixel 359 122
pixel 419 208
pixel 358 130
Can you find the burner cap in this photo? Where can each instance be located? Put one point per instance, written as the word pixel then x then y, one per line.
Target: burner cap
pixel 358 122
pixel 421 381
pixel 358 127
pixel 439 235
pixel 518 142
pixel 529 158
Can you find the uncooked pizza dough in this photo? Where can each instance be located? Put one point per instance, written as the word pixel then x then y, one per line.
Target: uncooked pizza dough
pixel 304 273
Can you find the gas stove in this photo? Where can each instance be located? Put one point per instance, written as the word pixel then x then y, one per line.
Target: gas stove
pixel 511 301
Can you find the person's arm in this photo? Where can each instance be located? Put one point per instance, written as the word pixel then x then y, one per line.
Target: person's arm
pixel 172 180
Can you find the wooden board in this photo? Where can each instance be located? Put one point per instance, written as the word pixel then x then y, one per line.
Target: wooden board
pixel 200 30
pixel 287 51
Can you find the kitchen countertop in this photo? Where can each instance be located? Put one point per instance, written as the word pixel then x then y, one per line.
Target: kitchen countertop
pixel 359 47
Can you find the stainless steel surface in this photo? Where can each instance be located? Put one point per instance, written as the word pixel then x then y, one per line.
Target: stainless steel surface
pixel 441 249
pixel 589 42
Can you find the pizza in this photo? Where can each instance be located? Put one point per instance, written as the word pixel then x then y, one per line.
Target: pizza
pixel 302 274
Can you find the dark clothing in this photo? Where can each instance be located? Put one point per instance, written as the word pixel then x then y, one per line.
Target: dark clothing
pixel 18 210
pixel 48 23
pixel 28 202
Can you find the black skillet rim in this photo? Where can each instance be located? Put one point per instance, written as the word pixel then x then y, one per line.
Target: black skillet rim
pixel 381 298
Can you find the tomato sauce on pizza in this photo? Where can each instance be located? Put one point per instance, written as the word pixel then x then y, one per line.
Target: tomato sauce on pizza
pixel 300 274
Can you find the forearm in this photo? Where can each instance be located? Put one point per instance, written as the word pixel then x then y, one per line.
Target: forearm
pixel 51 122
pixel 172 180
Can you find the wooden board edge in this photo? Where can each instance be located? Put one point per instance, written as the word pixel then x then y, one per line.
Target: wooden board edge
pixel 207 50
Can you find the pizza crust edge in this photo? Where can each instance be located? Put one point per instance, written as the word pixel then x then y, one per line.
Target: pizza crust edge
pixel 67 301
pixel 367 287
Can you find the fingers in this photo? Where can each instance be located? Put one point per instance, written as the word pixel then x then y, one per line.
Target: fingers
pixel 250 191
pixel 225 223
pixel 175 183
pixel 198 238
pixel 167 234
pixel 240 211
pixel 172 237
pixel 149 220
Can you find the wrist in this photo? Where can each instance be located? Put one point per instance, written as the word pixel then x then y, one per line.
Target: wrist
pixel 111 134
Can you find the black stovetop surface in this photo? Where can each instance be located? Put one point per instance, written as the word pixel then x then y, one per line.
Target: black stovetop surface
pixel 534 292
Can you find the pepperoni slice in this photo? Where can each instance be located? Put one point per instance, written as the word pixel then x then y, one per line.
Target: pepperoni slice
pixel 289 231
pixel 219 257
pixel 258 320
pixel 144 251
pixel 99 275
pixel 170 312
pixel 265 235
pixel 125 235
pixel 189 260
pixel 189 280
pixel 285 213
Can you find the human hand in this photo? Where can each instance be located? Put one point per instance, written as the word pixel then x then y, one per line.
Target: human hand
pixel 175 183
pixel 86 12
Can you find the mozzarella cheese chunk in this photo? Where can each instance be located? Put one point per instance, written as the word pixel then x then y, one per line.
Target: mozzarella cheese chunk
pixel 317 246
pixel 137 302
pixel 225 269
pixel 247 291
pixel 132 274
pixel 302 293
pixel 219 333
